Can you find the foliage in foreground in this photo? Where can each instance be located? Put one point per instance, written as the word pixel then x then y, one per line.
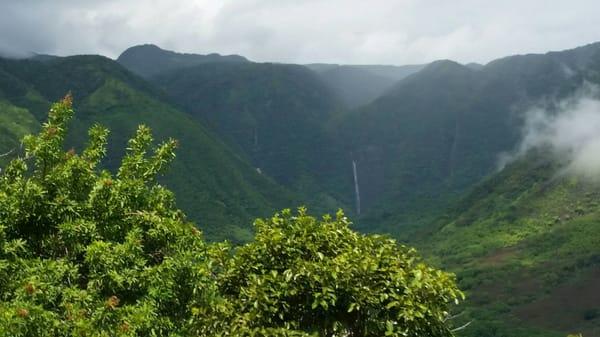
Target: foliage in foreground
pixel 84 252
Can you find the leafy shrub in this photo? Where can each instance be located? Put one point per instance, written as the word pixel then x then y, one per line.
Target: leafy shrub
pixel 322 276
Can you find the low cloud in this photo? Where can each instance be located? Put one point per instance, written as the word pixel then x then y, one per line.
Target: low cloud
pixel 570 129
pixel 344 31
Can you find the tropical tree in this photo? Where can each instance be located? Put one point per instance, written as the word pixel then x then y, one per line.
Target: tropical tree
pixel 86 252
pixel 320 276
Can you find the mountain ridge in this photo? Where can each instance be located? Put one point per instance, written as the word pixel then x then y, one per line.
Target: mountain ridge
pixel 412 137
pixel 149 60
pixel 260 136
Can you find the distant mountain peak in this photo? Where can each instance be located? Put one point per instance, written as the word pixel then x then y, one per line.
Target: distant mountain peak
pixel 148 60
pixel 445 65
pixel 149 46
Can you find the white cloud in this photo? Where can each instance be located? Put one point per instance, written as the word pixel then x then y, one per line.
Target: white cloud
pixel 345 31
pixel 570 129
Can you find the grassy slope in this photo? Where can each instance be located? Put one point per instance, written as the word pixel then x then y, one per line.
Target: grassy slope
pixel 15 123
pixel 525 246
pixel 17 101
pixel 216 188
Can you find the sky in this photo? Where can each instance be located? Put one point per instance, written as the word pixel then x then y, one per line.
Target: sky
pixel 302 31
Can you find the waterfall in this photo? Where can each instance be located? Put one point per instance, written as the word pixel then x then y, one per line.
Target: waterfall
pixel 356 190
pixel 255 138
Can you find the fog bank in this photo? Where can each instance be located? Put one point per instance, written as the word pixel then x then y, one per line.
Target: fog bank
pixel 570 128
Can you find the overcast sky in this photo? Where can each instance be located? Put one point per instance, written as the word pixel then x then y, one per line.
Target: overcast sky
pixel 303 31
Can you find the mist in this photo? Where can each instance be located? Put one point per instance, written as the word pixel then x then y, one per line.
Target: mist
pixel 8 51
pixel 570 128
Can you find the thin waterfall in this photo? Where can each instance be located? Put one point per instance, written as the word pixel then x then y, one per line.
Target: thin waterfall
pixel 255 138
pixel 356 190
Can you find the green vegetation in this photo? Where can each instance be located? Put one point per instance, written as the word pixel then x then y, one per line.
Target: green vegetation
pixel 437 133
pixel 255 138
pixel 425 141
pixel 524 245
pixel 87 253
pixel 275 115
pixel 149 60
pixel 14 124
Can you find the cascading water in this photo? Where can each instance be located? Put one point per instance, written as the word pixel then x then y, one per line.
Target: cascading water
pixel 356 190
pixel 255 138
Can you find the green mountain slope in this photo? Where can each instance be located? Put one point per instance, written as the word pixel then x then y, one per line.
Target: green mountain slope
pixel 17 101
pixel 15 123
pixel 525 246
pixel 439 131
pixel 421 145
pixel 149 60
pixel 215 187
pixel 273 114
pixel 417 148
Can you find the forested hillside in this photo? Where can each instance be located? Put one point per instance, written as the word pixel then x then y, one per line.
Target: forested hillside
pixel 149 60
pixel 524 244
pixel 426 140
pixel 84 252
pixel 268 168
pixel 441 130
pixel 216 187
pixel 414 154
pixel 275 115
pixel 15 123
